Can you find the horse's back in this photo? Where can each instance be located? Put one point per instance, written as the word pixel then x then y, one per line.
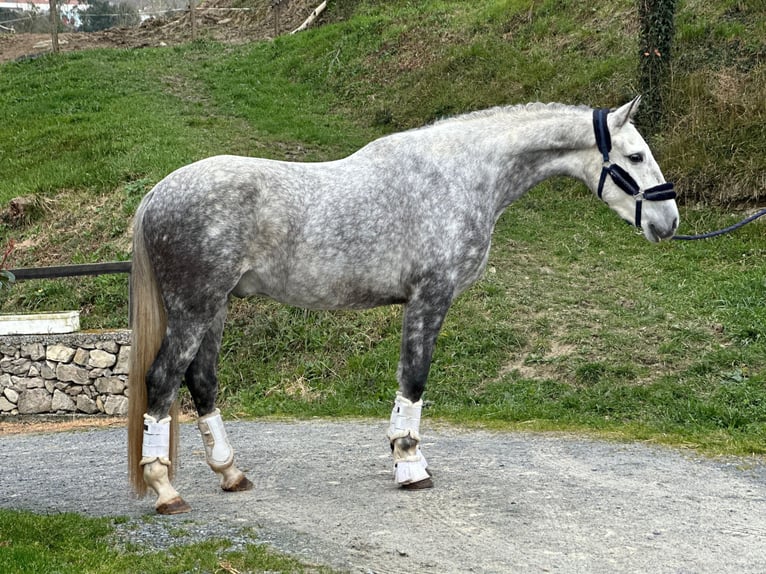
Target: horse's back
pixel 349 233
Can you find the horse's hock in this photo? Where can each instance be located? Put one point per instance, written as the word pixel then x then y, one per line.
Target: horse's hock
pixel 75 373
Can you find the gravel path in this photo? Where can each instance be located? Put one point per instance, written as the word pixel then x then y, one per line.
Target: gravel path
pixel 503 502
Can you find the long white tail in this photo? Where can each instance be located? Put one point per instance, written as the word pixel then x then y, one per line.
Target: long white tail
pixel 148 324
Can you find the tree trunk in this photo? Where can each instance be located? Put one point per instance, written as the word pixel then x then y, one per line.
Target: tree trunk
pixel 655 43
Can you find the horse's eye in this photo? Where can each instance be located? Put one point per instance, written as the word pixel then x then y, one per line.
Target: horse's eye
pixel 636 157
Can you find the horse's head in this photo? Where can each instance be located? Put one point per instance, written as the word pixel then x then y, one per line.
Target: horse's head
pixel 630 180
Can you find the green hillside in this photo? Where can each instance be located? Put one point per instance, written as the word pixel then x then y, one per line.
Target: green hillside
pixel 384 66
pixel 578 323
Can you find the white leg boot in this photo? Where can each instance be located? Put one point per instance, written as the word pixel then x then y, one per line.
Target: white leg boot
pixel 219 454
pixel 404 433
pixel 155 458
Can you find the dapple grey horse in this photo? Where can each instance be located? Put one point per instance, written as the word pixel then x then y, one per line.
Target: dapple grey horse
pixel 407 219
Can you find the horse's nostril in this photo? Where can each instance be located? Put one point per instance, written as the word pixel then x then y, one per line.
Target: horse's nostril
pixel 661 233
pixel 675 224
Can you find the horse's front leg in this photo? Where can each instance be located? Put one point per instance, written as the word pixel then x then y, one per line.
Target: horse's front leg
pixel 410 466
pixel 423 317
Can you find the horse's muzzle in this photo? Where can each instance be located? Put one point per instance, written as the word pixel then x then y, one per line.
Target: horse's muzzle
pixel 657 233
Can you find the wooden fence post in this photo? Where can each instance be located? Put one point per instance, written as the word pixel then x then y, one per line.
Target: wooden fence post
pixel 276 5
pixel 54 25
pixel 193 20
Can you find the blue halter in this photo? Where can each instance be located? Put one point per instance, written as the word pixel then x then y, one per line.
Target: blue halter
pixel 619 176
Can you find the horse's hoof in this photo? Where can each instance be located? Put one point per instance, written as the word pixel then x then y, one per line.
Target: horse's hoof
pixel 419 485
pixel 175 506
pixel 239 486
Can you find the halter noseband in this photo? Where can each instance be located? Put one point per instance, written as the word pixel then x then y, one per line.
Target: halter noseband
pixel 619 176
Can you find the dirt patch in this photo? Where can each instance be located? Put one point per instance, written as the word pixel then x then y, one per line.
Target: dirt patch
pixel 55 423
pixel 30 424
pixel 215 20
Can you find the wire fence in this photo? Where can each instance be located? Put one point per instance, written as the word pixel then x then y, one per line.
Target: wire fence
pixel 279 16
pixel 73 18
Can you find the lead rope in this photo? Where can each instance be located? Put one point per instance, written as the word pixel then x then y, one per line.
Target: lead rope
pixel 721 231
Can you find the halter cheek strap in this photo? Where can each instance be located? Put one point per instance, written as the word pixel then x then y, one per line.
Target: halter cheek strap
pixel 620 177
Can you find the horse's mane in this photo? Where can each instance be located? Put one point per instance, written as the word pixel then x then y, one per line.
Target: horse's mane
pixel 519 114
pixel 531 109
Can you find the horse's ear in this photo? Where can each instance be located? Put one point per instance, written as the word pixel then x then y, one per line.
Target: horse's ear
pixel 625 113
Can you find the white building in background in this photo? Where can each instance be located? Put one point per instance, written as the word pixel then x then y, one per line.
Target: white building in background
pixel 69 10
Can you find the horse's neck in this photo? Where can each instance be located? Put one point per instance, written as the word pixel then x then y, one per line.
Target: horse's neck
pixel 539 150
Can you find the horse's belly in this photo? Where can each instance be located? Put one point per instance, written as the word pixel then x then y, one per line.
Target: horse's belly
pixel 319 293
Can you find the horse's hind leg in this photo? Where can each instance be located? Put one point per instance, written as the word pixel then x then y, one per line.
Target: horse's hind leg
pixel 179 346
pixel 202 382
pixel 423 317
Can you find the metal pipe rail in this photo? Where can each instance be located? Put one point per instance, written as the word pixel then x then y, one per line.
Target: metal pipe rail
pixel 92 269
pixel 55 272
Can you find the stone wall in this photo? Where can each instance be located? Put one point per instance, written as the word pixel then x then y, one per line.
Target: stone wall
pixel 83 372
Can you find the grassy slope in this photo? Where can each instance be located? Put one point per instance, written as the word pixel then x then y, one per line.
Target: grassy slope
pixel 577 324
